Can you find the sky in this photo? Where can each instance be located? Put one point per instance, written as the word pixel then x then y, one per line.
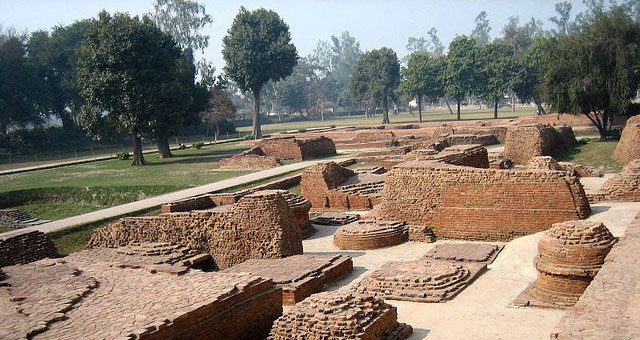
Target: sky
pixel 375 23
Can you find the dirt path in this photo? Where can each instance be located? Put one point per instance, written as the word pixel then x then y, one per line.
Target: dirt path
pixel 482 310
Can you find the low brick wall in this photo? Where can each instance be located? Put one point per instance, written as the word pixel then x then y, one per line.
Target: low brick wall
pixel 627 149
pixel 625 186
pixel 297 148
pixel 480 204
pixel 248 162
pixel 260 225
pixel 527 141
pixel 24 247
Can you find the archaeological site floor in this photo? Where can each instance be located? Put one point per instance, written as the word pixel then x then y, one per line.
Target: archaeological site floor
pixel 482 310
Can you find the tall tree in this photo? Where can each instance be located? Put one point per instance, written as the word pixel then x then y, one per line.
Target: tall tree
pixel 594 73
pixel 431 43
pixel 219 108
pixel 528 73
pixel 258 48
pixel 184 20
pixel 19 89
pixel 421 78
pixel 563 19
pixel 521 37
pixel 375 77
pixel 127 74
pixel 460 72
pixel 481 32
pixel 496 72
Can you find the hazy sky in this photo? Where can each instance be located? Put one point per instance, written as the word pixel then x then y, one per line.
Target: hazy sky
pixel 375 23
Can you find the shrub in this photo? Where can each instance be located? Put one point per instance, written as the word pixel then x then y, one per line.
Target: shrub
pixel 302 130
pixel 583 141
pixel 248 137
pixel 197 145
pixel 333 126
pixel 123 155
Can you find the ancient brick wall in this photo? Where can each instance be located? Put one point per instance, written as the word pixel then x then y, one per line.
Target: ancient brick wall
pixel 248 162
pixel 628 148
pixel 625 186
pixel 468 155
pixel 526 141
pixel 480 204
pixel 24 247
pixel 260 225
pixel 298 149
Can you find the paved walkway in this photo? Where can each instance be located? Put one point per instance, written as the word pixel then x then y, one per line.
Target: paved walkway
pixel 166 198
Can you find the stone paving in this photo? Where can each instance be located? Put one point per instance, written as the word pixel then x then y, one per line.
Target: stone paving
pixel 465 252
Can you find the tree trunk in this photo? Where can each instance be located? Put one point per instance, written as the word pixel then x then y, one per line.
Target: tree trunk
pixel 458 109
pixel 164 151
pixel 138 157
pixel 446 100
pixel 385 113
pixel 420 109
pixel 257 131
pixel 495 108
pixel 513 101
pixel 217 132
pixel 541 110
pixel 67 121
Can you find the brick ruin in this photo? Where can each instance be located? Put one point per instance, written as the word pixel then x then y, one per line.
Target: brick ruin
pixel 627 149
pixel 572 169
pixel 335 218
pixel 467 154
pixel 480 204
pixel 625 186
pixel 370 233
pixel 569 256
pixel 24 246
pixel 300 149
pixel 329 186
pixel 253 159
pixel 608 309
pixel 340 315
pixel 18 219
pixel 300 275
pixel 464 252
pixel 260 225
pixel 87 296
pixel 526 141
pixel 424 280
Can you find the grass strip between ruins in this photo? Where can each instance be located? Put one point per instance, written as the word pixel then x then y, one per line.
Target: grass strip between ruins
pixel 595 153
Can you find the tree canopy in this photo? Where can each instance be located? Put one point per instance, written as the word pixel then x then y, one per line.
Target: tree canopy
pixel 460 71
pixel 375 77
pixel 256 49
pixel 421 78
pixel 480 33
pixel 129 75
pixel 496 72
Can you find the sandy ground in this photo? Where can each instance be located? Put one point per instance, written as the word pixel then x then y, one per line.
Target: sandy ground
pixel 482 310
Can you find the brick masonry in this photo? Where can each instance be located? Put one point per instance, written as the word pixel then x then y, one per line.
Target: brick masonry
pixel 625 186
pixel 300 275
pixel 260 225
pixel 340 315
pixel 370 233
pixel 248 162
pixel 297 148
pixel 627 149
pixel 464 252
pixel 24 247
pixel 78 298
pixel 18 219
pixel 480 204
pixel 424 280
pixel 526 141
pixel 608 309
pixel 569 255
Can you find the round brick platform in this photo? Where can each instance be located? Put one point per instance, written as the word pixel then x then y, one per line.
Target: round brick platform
pixel 570 254
pixel 370 234
pixel 300 207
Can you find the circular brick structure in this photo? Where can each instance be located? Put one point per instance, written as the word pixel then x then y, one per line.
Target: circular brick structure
pixel 370 233
pixel 570 254
pixel 300 207
pixel 340 315
pixel 418 281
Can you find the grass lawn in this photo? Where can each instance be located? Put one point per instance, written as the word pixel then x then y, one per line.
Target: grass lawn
pixel 595 153
pixel 404 117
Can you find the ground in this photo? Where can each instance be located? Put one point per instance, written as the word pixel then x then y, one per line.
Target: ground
pixel 595 153
pixel 482 310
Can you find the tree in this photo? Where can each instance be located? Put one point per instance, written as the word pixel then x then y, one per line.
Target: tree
pixel 563 20
pixel 127 73
pixel 594 72
pixel 528 74
pixel 495 72
pixel 256 49
pixel 460 71
pixel 375 77
pixel 184 21
pixel 55 58
pixel 481 32
pixel 521 37
pixel 220 107
pixel 18 83
pixel 431 43
pixel 421 78
pixel 293 92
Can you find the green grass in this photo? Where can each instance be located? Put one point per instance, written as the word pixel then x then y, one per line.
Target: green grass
pixel 4 229
pixel 404 117
pixel 58 210
pixel 595 153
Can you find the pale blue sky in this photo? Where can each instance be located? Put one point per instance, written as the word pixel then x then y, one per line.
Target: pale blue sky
pixel 375 23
